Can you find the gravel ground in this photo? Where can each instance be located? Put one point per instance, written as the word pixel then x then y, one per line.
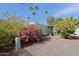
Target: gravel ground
pixel 55 46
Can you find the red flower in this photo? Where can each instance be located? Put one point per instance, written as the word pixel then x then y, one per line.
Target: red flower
pixel 29 33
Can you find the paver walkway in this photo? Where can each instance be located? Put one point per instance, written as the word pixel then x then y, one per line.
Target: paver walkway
pixel 55 46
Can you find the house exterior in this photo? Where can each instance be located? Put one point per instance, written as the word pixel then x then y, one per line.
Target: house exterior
pixel 51 30
pixel 43 27
pixel 77 31
pixel 48 29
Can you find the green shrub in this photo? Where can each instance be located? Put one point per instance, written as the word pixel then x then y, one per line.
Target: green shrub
pixel 65 27
pixel 8 31
pixel 32 32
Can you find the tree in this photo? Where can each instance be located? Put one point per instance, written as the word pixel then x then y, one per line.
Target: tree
pixel 31 8
pixel 65 27
pixel 59 19
pixel 46 12
pixel 28 18
pixel 34 12
pixel 51 21
pixel 36 8
pixel 76 22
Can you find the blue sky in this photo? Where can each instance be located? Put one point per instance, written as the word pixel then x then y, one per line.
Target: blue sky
pixel 54 9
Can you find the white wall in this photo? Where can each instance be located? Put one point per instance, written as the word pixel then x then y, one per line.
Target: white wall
pixel 77 31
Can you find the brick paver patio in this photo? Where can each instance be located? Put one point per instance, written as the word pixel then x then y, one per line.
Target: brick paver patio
pixel 55 46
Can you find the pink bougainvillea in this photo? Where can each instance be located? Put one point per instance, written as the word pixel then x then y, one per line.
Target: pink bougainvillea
pixel 30 33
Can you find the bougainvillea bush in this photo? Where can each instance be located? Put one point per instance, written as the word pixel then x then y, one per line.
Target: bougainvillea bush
pixel 31 32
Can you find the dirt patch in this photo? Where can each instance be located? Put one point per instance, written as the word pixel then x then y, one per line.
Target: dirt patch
pixel 6 48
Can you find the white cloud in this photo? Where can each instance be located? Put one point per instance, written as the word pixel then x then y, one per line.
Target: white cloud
pixel 69 9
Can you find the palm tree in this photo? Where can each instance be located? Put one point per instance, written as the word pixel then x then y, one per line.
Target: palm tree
pixel 28 19
pixel 36 8
pixel 34 12
pixel 51 23
pixel 31 8
pixel 46 12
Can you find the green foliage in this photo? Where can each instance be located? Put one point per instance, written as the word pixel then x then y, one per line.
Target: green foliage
pixel 59 19
pixel 65 27
pixel 51 21
pixel 9 27
pixel 77 22
pixel 6 34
